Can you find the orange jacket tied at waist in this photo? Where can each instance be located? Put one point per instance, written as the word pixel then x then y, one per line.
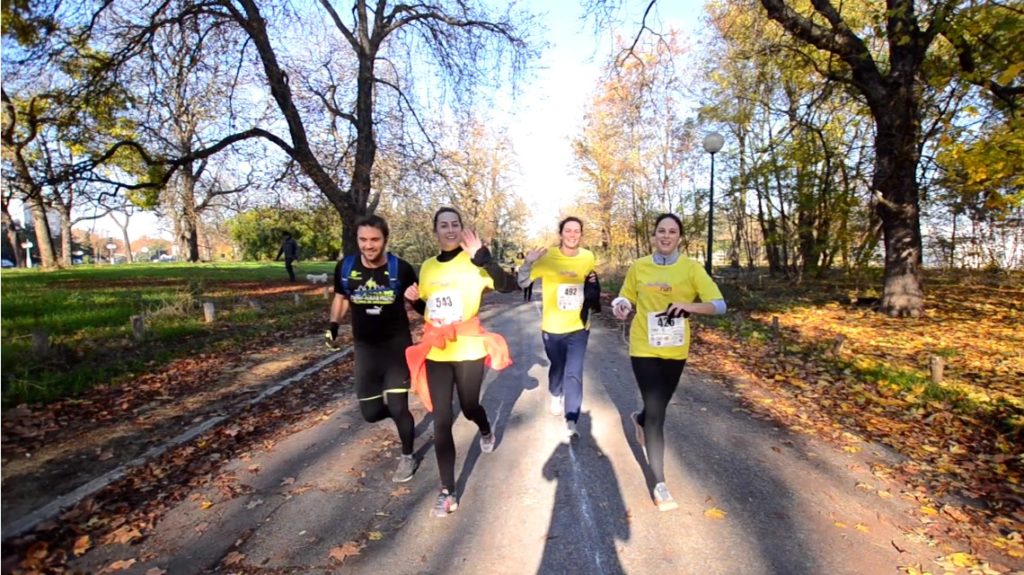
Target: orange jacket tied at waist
pixel 497 357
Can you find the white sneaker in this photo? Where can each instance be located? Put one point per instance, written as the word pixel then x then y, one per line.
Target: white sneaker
pixel 557 406
pixel 663 499
pixel 570 428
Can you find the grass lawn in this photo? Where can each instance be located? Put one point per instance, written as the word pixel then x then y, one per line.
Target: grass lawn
pixel 86 311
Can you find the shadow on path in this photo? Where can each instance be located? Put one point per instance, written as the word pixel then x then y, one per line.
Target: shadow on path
pixel 589 515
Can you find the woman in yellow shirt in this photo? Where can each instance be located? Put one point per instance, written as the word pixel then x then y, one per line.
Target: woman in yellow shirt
pixel 662 288
pixel 455 349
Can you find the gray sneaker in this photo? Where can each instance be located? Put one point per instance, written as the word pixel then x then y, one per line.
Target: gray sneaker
pixel 487 442
pixel 663 499
pixel 407 465
pixel 639 429
pixel 570 429
pixel 446 503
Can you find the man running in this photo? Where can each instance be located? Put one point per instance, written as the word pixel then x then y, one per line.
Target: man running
pixel 372 284
pixel 569 291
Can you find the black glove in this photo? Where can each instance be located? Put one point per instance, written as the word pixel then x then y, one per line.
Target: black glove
pixel 673 313
pixel 331 335
pixel 591 297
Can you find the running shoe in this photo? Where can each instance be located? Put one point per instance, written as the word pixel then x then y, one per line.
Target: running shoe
pixel 639 429
pixel 446 503
pixel 557 405
pixel 570 429
pixel 663 499
pixel 407 465
pixel 487 442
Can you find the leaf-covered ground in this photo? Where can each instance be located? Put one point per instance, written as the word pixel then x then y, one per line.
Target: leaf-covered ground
pixel 960 441
pixel 853 375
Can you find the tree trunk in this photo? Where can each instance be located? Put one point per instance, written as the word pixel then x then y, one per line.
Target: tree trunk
pixel 12 234
pixel 44 243
pixel 127 243
pixel 65 236
pixel 895 179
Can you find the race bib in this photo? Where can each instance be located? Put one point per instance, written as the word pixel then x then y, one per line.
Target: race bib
pixel 664 331
pixel 445 307
pixel 570 297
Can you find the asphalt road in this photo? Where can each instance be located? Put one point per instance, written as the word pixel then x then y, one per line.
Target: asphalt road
pixel 792 505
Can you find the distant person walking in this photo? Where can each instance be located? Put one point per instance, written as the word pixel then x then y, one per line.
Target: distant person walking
pixel 570 291
pixel 290 251
pixel 662 288
pixel 371 284
pixel 452 357
pixel 528 289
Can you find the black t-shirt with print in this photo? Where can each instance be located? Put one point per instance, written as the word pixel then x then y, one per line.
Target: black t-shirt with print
pixel 378 313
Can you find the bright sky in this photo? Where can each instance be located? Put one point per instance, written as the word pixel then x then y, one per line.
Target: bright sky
pixel 548 111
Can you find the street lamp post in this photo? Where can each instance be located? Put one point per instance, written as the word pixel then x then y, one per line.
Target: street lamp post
pixel 712 144
pixel 110 248
pixel 27 244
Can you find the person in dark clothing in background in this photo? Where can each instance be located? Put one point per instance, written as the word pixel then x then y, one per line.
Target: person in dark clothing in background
pixel 527 290
pixel 290 251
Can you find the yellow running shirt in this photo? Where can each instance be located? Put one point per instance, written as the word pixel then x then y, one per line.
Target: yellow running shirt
pixel 452 291
pixel 562 278
pixel 651 288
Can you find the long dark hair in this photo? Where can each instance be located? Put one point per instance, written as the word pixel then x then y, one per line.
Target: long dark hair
pixel 672 217
pixel 446 209
pixel 561 224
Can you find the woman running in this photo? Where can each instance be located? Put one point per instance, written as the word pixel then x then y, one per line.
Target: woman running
pixel 455 348
pixel 662 288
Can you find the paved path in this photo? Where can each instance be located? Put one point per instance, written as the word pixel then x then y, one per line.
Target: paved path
pixel 537 504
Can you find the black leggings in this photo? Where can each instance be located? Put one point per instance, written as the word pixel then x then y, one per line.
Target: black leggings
pixel 528 292
pixel 657 379
pixel 382 385
pixel 466 377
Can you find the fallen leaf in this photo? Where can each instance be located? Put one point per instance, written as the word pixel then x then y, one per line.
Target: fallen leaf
pixel 119 565
pixel 861 527
pixel 233 558
pixel 82 544
pixel 206 505
pixel 287 481
pixel 400 491
pixel 124 534
pixel 155 571
pixel 839 524
pixel 928 510
pixel 714 513
pixel 958 559
pixel 350 549
pixel 375 535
